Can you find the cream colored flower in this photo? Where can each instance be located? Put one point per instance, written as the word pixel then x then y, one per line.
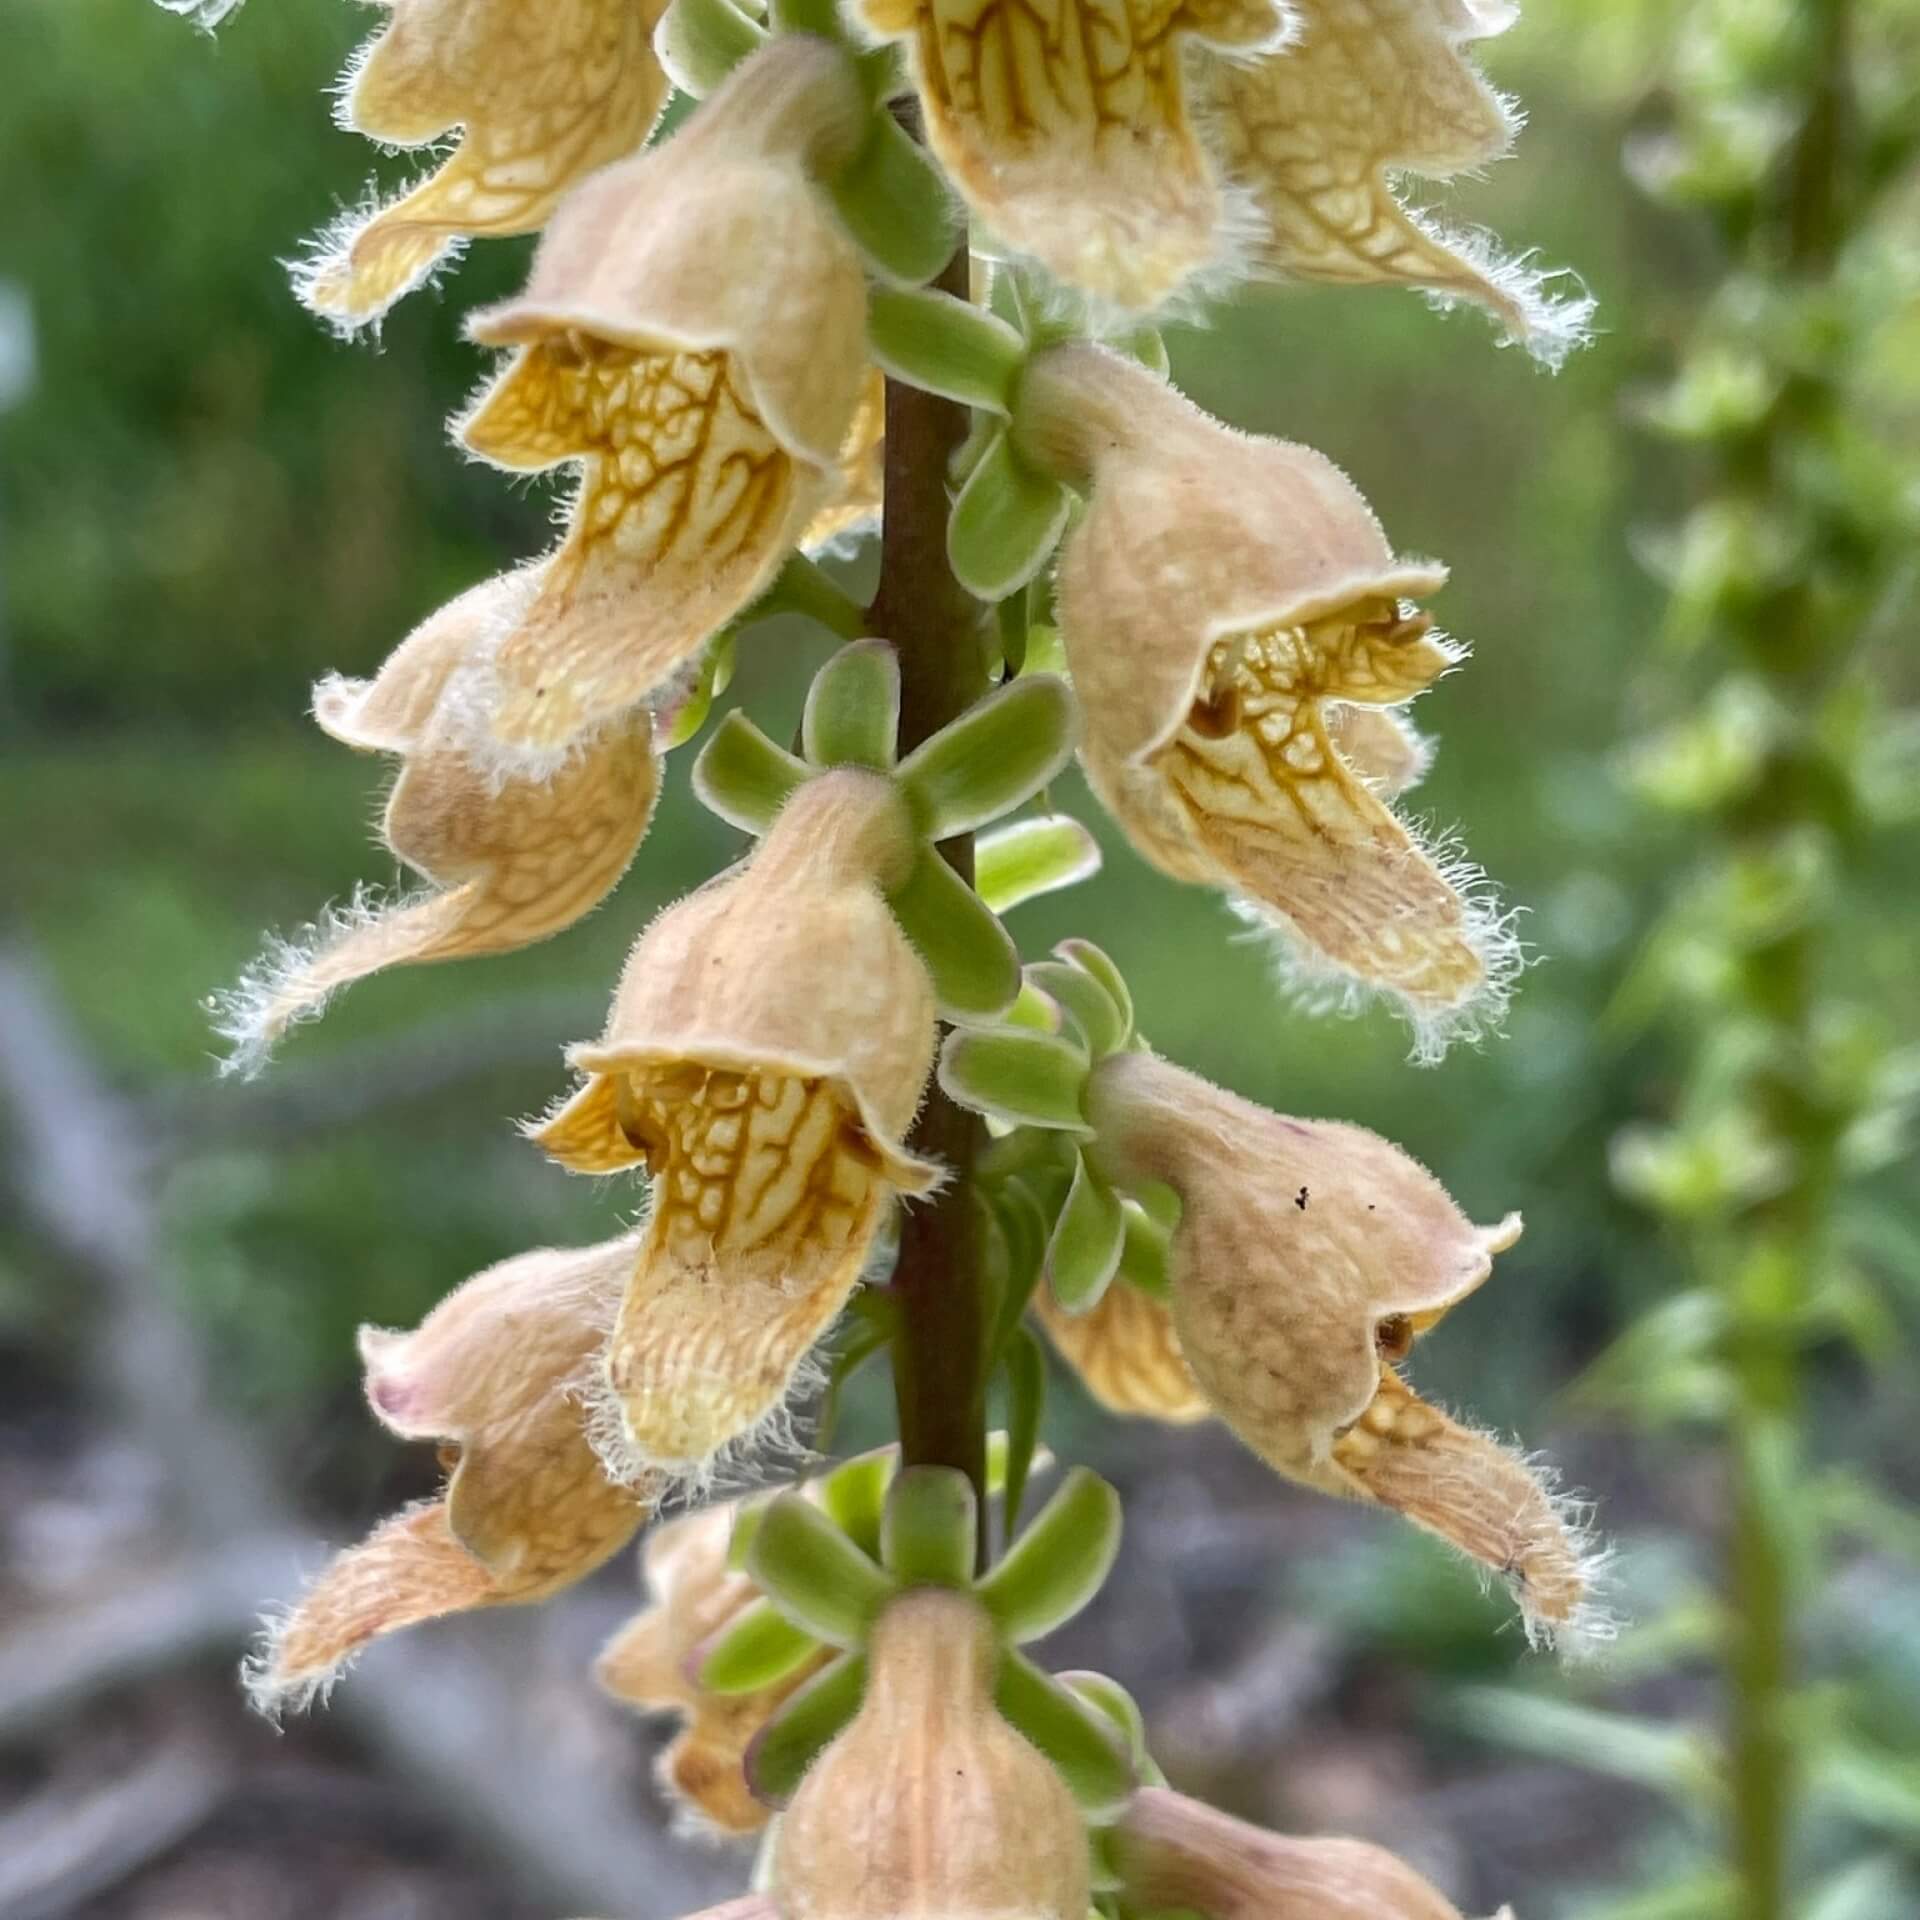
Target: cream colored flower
pixel 1125 1350
pixel 1230 608
pixel 543 95
pixel 929 1806
pixel 1179 1854
pixel 508 862
pixel 1308 1259
pixel 495 1372
pixel 855 505
pixel 764 1059
pixel 649 1662
pixel 692 340
pixel 1321 131
pixel 1066 129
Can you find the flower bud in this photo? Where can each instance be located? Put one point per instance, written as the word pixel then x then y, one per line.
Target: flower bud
pixel 510 862
pixel 1320 131
pixel 1227 605
pixel 494 1373
pixel 650 1663
pixel 930 1806
pixel 766 1053
pixel 1178 1854
pixel 692 339
pixel 1126 1353
pixel 1070 137
pixel 1308 1259
pixel 541 103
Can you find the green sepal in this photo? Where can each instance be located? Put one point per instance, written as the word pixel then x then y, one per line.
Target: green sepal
pixel 781 1752
pixel 814 1574
pixel 1013 1073
pixel 1059 1563
pixel 1074 1736
pixel 759 1646
pixel 1005 523
pixel 1084 1252
pixel 1124 1711
pixel 747 1515
pixel 1149 347
pixel 820 18
pixel 894 203
pixel 929 1535
pixel 999 1460
pixel 700 42
pixel 1094 962
pixel 743 777
pixel 1026 1370
pixel 805 587
pixel 854 1495
pixel 691 714
pixel 1034 1011
pixel 1026 858
pixel 1101 1023
pixel 944 345
pixel 970 956
pixel 1001 751
pixel 860 1348
pixel 852 715
pixel 1144 1251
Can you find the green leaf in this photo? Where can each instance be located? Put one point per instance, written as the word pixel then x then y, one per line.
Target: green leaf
pixel 1093 962
pixel 814 1574
pixel 1084 1253
pixel 1026 858
pixel 783 1750
pixel 759 1646
pixel 852 715
pixel 1101 1022
pixel 943 345
pixel 743 777
pixel 1663 1758
pixel 1005 523
pixel 1026 1370
pixel 893 202
pixel 971 957
pixel 854 1495
pixel 1077 1738
pixel 998 753
pixel 700 42
pixel 1059 1563
pixel 1014 1074
pixel 929 1533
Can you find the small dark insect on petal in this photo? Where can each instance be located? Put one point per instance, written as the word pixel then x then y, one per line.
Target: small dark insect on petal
pixel 1300 1199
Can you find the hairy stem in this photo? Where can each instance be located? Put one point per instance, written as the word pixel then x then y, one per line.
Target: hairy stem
pixel 939 1355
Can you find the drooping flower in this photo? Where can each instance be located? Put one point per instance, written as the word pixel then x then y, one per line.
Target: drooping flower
pixel 1231 609
pixel 495 1373
pixel 543 96
pixel 1125 1350
pixel 930 1806
pixel 649 1663
pixel 1068 131
pixel 1308 1258
pixel 766 1053
pixel 692 341
pixel 509 861
pixel 1321 131
pixel 1177 1854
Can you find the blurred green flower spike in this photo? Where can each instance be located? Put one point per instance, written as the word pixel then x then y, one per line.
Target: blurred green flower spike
pixel 890 198
pixel 1025 1074
pixel 997 755
pixel 823 1587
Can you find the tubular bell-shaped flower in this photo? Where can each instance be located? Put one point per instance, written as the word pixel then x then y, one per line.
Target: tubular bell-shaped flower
pixel 930 1806
pixel 766 1053
pixel 692 340
pixel 1367 90
pixel 1308 1259
pixel 650 1663
pixel 1067 129
pixel 543 97
pixel 1230 609
pixel 509 862
pixel 495 1373
pixel 1179 1854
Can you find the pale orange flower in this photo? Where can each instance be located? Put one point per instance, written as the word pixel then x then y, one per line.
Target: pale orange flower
pixel 1126 1352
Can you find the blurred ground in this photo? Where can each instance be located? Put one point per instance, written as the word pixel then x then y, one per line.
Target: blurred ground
pixel 204 502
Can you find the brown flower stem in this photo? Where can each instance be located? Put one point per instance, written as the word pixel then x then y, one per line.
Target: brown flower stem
pixel 939 1353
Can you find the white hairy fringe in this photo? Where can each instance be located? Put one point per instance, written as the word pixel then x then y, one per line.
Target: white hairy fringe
pixel 276 993
pixel 327 250
pixel 1319 986
pixel 1552 325
pixel 205 14
pixel 1595 1624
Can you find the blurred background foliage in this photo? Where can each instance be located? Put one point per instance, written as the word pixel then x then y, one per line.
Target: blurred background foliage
pixel 206 502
